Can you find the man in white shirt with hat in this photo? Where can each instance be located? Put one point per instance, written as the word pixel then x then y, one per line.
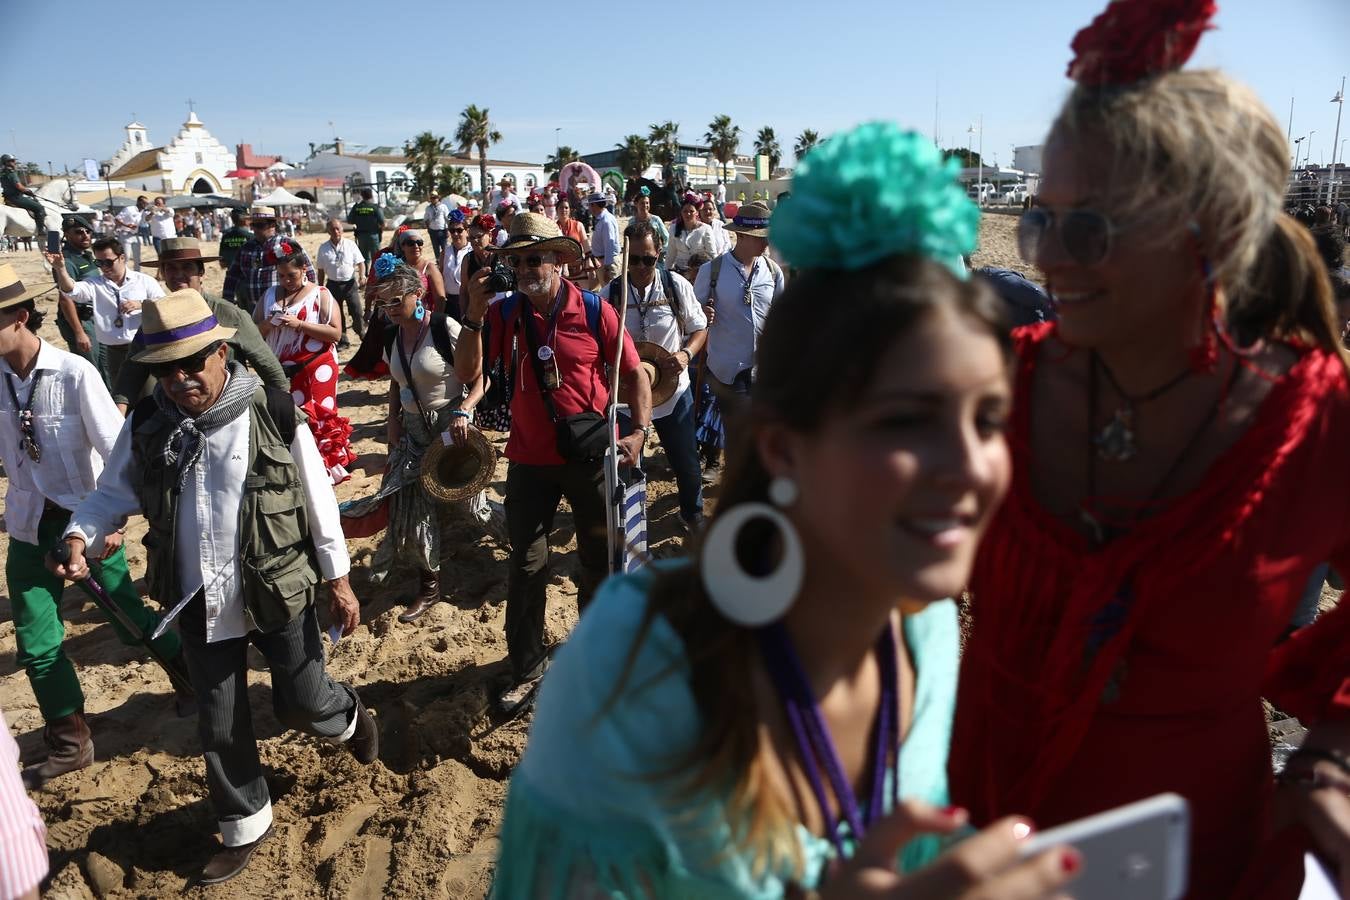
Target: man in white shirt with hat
pixel 116 293
pixel 59 428
pixel 243 526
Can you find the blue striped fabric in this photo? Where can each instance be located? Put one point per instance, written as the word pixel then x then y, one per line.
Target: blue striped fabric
pixel 634 517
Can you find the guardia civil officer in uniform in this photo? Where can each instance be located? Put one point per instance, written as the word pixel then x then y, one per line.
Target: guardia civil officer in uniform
pixel 76 319
pixel 368 220
pixel 16 193
pixel 243 526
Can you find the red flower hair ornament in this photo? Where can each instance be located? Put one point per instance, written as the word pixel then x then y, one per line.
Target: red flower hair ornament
pixel 1132 40
pixel 279 252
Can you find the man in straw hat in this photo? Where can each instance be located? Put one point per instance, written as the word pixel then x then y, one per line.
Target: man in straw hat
pixel 737 289
pixel 182 265
pixel 116 294
pixel 250 275
pixel 242 526
pixel 669 326
pixel 59 429
pixel 604 238
pixel 557 341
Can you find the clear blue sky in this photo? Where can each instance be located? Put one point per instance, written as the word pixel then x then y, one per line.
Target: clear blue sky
pixel 274 75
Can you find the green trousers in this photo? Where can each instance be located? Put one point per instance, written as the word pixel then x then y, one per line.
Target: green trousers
pixel 95 354
pixel 35 596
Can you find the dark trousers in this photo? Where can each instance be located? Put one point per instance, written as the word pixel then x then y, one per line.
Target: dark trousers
pixel 369 245
pixel 348 299
pixel 36 209
pixel 532 497
pixel 676 431
pixel 734 402
pixel 304 697
pixel 438 239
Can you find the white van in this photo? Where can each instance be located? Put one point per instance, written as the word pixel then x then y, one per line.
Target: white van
pixel 1014 194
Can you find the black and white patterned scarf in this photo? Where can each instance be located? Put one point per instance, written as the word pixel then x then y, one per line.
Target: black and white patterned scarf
pixel 186 442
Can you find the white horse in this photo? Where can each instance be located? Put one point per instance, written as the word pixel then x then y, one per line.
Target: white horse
pixel 56 196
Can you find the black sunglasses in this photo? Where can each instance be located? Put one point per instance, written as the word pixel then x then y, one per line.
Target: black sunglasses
pixel 645 262
pixel 411 241
pixel 106 263
pixel 456 230
pixel 531 262
pixel 1085 235
pixel 189 366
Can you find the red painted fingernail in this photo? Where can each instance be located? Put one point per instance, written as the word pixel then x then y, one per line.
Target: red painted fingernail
pixel 1070 861
pixel 954 812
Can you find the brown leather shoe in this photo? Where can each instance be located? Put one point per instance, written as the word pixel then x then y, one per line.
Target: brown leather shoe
pixel 230 861
pixel 71 748
pixel 365 740
pixel 427 596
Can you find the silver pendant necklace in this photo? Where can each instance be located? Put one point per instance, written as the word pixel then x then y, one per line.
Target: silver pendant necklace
pixel 1116 441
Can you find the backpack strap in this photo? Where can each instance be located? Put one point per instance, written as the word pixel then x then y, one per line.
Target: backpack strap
pixel 668 282
pixel 591 301
pixel 281 409
pixel 440 337
pixel 712 280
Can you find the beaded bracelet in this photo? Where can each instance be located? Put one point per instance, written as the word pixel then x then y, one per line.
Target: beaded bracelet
pixel 459 413
pixel 471 325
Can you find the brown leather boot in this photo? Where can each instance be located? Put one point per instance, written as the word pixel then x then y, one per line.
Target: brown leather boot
pixel 427 597
pixel 71 748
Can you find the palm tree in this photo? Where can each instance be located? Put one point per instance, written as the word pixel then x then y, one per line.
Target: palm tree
pixel 665 140
pixel 766 144
pixel 475 131
pixel 805 141
pixel 635 155
pixel 564 155
pixel 724 139
pixel 424 154
pixel 452 180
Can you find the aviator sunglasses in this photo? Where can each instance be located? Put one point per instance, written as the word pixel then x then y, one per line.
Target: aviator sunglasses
pixel 642 262
pixel 1085 235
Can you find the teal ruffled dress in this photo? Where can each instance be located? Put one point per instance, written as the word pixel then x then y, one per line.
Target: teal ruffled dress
pixel 589 813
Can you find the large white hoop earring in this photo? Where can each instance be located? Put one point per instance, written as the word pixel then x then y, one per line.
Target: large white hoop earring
pixel 744 598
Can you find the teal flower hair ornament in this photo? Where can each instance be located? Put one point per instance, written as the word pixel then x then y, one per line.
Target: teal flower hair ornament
pixel 873 192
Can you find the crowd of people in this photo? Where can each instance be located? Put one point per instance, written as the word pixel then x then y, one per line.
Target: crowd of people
pixel 1135 493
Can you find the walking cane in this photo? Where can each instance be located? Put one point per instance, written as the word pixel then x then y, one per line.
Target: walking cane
pixel 61 554
pixel 614 506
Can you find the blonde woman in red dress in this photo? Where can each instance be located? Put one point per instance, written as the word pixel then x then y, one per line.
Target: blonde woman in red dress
pixel 300 322
pixel 1179 469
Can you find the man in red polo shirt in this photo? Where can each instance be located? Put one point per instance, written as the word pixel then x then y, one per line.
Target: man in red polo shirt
pixel 556 447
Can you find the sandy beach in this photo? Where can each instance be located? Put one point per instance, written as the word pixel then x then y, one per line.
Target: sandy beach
pixel 421 821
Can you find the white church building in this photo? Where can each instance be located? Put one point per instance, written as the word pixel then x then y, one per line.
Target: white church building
pixel 194 162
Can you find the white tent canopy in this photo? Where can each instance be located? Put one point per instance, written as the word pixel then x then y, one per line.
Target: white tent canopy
pixel 281 197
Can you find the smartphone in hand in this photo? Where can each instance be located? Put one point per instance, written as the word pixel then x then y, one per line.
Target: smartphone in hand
pixel 53 242
pixel 1133 852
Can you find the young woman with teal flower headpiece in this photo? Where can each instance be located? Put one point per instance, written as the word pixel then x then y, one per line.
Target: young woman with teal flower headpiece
pixel 771 717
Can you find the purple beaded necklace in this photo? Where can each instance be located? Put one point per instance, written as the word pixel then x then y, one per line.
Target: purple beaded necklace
pixel 820 759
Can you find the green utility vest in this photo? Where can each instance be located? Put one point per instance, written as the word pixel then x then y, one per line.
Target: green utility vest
pixel 276 561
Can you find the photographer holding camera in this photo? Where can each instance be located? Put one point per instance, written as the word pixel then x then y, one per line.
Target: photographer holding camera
pixel 562 340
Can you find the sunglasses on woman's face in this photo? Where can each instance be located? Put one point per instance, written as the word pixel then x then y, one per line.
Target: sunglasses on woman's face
pixel 412 241
pixel 190 366
pixel 642 262
pixel 1085 235
pixel 530 262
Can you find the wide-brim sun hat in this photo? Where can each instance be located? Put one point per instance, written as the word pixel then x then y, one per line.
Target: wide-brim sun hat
pixel 12 289
pixel 180 248
pixel 664 383
pixel 176 326
pixel 752 219
pixel 262 212
pixel 532 231
pixel 457 472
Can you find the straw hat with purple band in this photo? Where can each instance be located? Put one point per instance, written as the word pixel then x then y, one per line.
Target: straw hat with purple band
pixel 176 326
pixel 262 212
pixel 12 291
pixel 752 219
pixel 531 231
pixel 180 248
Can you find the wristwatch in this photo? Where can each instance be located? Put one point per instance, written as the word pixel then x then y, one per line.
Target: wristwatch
pixel 647 431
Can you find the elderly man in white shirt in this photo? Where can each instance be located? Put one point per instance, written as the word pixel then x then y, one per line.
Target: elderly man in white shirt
pixel 604 239
pixel 116 294
pixel 662 310
pixel 242 526
pixel 436 218
pixel 60 423
pixel 737 289
pixel 343 269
